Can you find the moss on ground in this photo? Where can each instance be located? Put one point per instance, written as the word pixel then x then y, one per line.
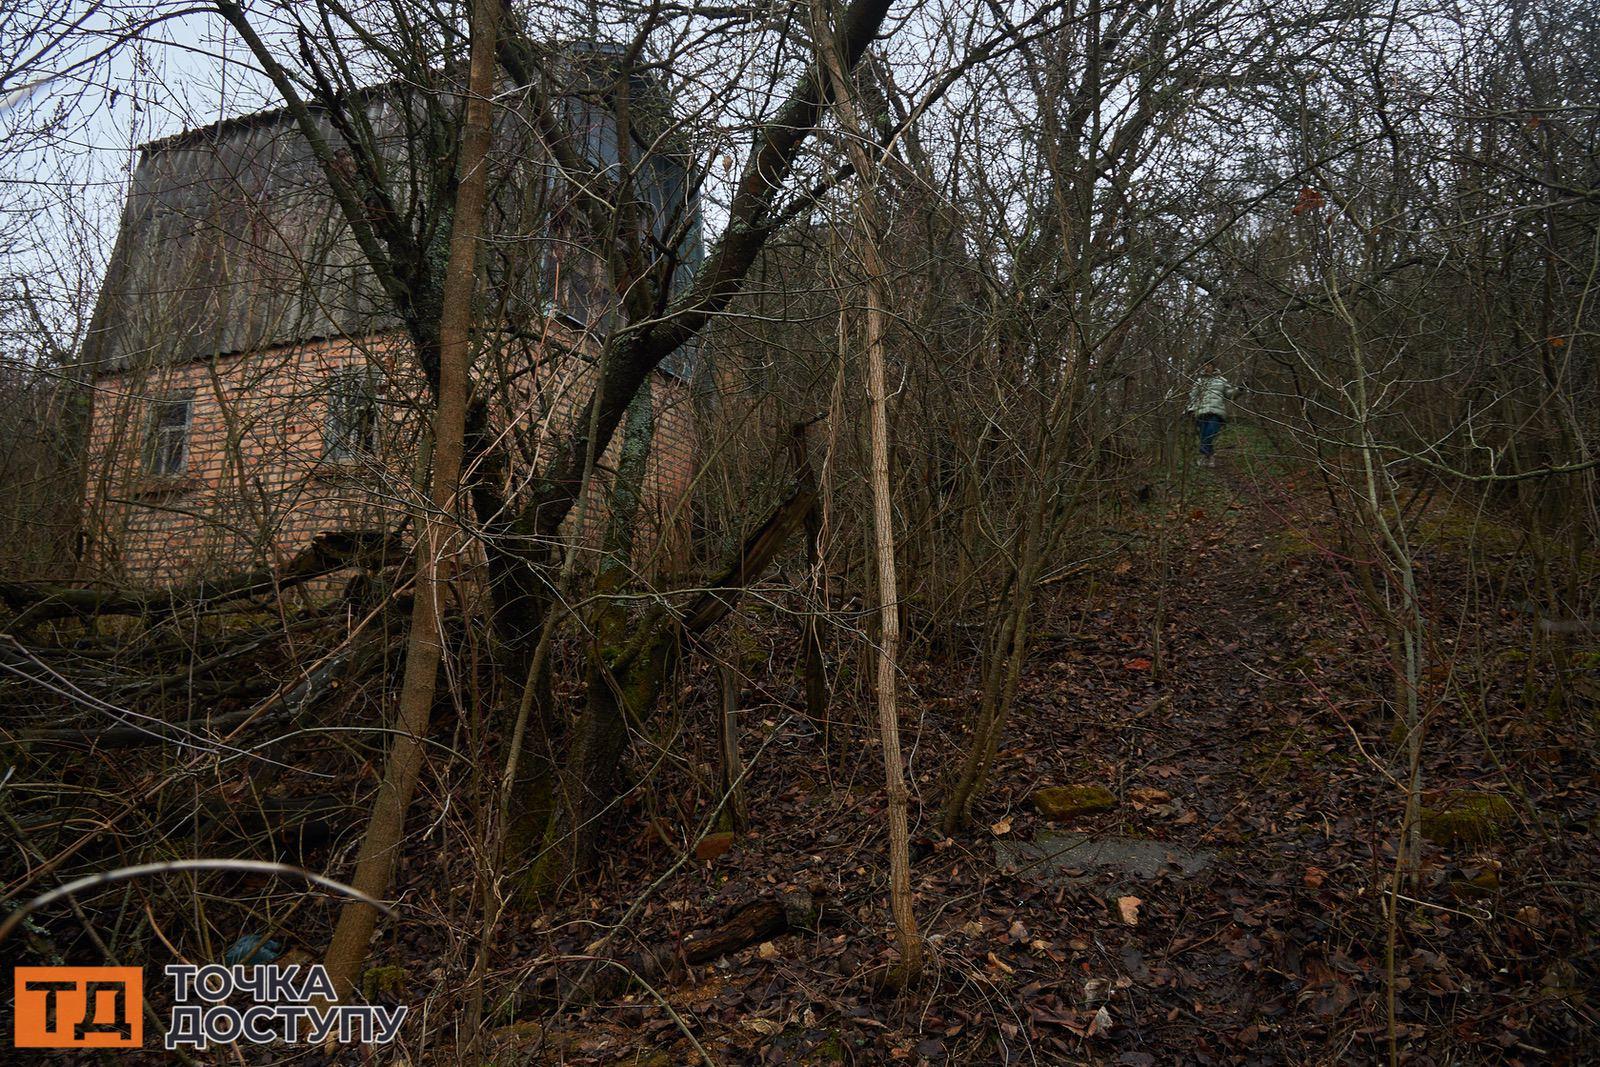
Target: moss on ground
pixel 1467 818
pixel 1070 801
pixel 386 983
pixel 1288 546
pixel 1458 530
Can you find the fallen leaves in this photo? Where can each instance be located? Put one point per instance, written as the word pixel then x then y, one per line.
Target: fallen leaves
pixel 1144 796
pixel 1234 750
pixel 999 964
pixel 713 845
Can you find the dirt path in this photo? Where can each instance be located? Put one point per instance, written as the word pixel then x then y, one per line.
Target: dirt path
pixel 1222 751
pixel 1255 738
pixel 1226 908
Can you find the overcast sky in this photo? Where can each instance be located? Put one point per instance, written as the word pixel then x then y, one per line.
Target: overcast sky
pixel 135 72
pixel 72 124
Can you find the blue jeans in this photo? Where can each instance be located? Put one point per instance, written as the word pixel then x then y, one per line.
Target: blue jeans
pixel 1209 426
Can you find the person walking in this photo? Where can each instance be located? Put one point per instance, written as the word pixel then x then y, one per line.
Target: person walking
pixel 1208 405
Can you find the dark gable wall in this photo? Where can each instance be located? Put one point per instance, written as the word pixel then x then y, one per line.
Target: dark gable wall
pixel 232 242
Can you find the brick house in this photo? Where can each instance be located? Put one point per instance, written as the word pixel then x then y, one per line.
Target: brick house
pixel 251 391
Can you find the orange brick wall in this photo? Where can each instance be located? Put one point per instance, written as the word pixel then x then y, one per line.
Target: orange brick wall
pixel 257 488
pixel 661 541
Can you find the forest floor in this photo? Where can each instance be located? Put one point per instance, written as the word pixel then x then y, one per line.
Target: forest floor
pixel 1216 682
pixel 1230 904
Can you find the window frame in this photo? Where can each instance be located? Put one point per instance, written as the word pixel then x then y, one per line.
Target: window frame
pixel 156 432
pixel 349 443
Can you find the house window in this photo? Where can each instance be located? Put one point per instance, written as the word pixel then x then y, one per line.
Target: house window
pixel 570 274
pixel 352 427
pixel 550 278
pixel 167 451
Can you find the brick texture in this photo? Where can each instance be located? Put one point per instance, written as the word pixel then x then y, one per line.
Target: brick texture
pixel 257 484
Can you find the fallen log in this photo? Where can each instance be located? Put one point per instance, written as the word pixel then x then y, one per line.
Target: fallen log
pixel 322 681
pixel 782 912
pixel 328 553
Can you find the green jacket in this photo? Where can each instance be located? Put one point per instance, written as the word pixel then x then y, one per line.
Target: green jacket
pixel 1210 396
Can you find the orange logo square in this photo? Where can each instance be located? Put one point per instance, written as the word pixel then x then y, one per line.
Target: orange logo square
pixel 79 1007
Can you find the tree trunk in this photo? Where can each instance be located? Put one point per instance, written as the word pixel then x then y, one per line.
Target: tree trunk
pixel 380 848
pixel 625 685
pixel 584 784
pixel 735 815
pixel 905 920
pixel 869 230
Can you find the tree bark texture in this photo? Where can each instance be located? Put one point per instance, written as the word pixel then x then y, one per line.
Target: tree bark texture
pixel 869 230
pixel 380 848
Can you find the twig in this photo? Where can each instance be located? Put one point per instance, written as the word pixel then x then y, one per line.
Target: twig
pixel 122 874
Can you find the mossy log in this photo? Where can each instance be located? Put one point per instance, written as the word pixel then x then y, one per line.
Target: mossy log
pixel 1070 801
pixel 1467 818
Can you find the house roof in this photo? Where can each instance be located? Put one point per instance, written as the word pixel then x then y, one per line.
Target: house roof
pixel 231 239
